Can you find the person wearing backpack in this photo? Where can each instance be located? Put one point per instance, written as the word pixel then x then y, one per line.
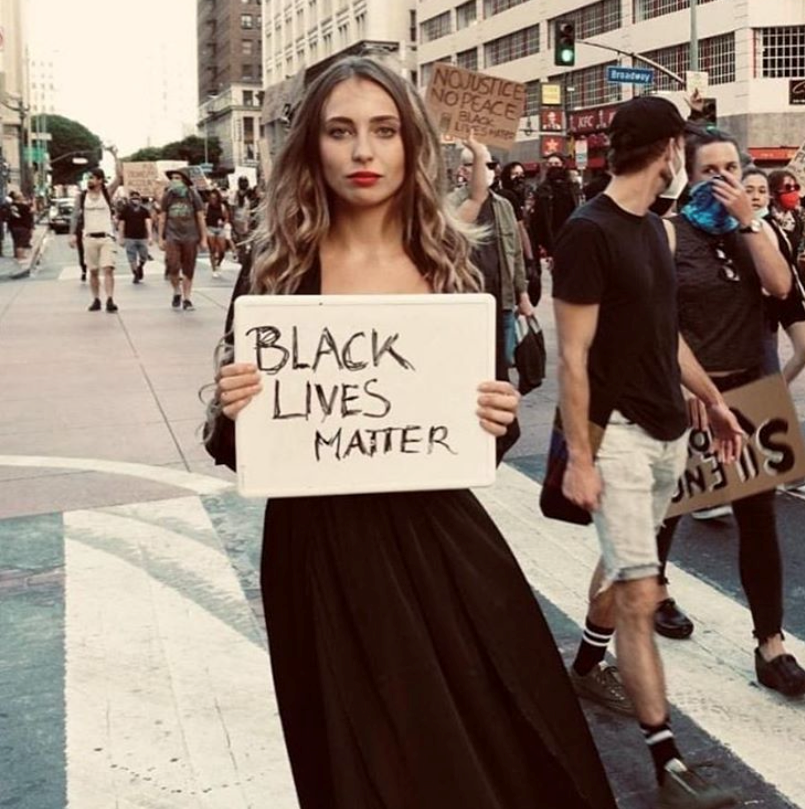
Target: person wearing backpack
pixel 92 215
pixel 182 231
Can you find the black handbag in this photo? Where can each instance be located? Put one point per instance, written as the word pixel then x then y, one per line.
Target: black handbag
pixel 529 355
pixel 552 501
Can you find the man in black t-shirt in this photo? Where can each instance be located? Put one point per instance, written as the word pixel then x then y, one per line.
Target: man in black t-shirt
pixel 621 366
pixel 134 233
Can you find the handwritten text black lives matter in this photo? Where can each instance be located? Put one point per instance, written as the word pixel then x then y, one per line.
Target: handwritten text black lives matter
pixel 359 353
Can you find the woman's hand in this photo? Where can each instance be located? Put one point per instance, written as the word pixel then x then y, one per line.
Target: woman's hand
pixel 729 191
pixel 497 406
pixel 237 385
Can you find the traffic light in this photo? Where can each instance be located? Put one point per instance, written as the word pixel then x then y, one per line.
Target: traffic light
pixel 564 43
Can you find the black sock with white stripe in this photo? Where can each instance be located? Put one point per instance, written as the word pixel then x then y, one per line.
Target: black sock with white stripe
pixel 592 648
pixel 661 745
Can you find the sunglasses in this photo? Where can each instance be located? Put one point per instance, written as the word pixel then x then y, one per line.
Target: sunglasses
pixel 488 165
pixel 784 189
pixel 726 270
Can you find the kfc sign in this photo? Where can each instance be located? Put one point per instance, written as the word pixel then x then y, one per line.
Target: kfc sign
pixel 597 119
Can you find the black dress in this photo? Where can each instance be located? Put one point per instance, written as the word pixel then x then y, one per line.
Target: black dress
pixel 413 667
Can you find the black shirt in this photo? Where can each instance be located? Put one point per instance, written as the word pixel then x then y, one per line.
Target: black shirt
pixel 485 256
pixel 720 298
pixel 133 220
pixel 622 262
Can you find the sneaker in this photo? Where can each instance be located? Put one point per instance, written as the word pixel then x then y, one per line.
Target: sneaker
pixel 95 306
pixel 111 306
pixel 176 301
pixel 216 274
pixel 684 788
pixel 136 279
pixel 782 673
pixel 188 305
pixel 603 684
pixel 714 513
pixel 84 275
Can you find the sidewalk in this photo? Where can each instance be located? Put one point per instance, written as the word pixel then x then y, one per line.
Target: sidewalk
pixel 11 268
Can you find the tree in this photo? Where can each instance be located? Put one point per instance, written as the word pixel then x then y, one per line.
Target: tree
pixel 191 149
pixel 149 153
pixel 68 136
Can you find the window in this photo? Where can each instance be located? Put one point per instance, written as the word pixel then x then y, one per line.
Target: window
pixel 466 14
pixel 716 56
pixel 532 97
pixel 512 46
pixel 648 9
pixel 360 25
pixel 343 34
pixel 246 21
pixel 780 52
pixel 597 18
pixel 247 74
pixel 412 26
pixel 436 27
pixel 248 98
pixel 468 59
pixel 589 87
pixel 492 7
pixel 247 47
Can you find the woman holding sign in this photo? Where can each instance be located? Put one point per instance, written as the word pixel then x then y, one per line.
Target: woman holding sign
pixel 413 667
pixel 726 256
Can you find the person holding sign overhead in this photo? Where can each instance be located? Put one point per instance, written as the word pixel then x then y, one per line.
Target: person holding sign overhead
pixel 413 667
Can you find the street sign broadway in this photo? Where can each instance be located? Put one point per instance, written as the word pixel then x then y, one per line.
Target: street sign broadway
pixel 629 75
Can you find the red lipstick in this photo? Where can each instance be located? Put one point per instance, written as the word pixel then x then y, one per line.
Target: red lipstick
pixel 364 179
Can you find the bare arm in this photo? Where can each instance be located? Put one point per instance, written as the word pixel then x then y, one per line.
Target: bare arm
pixel 726 430
pixel 479 187
pixel 575 329
pixel 772 268
pixel 528 252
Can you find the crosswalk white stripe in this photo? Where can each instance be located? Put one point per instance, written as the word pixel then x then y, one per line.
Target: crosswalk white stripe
pixel 710 676
pixel 167 706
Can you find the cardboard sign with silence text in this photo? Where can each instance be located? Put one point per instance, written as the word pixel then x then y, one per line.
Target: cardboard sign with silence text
pixel 461 100
pixel 774 451
pixel 364 393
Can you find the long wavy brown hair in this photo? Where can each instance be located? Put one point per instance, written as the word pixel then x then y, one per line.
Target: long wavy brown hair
pixel 297 216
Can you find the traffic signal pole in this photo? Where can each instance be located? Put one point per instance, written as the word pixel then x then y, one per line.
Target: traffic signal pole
pixel 645 59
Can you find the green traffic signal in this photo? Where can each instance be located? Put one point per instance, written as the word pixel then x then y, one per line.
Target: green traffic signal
pixel 564 43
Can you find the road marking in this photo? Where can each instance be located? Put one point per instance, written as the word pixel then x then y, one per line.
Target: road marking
pixel 167 705
pixel 200 484
pixel 710 676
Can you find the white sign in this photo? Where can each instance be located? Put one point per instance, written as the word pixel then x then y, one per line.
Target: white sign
pixel 581 154
pixel 364 393
pixel 696 80
pixel 797 164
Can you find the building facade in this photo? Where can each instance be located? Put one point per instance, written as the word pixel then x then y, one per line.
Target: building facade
pixel 14 102
pixel 230 81
pixel 302 37
pixel 752 50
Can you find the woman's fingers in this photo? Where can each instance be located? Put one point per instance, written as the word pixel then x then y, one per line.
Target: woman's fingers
pixel 497 406
pixel 238 383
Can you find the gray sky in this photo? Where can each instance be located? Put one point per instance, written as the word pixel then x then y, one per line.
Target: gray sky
pixel 111 57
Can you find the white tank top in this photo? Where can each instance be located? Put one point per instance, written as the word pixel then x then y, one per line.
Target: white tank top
pixel 97 214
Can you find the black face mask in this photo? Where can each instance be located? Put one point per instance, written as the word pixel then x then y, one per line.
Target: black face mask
pixel 557 173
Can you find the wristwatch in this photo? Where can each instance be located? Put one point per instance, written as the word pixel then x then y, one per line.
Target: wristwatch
pixel 755 226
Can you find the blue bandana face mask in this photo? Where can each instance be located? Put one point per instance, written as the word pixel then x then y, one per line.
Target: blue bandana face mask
pixel 705 212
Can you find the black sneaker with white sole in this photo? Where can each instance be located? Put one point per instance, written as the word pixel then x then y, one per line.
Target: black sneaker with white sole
pixel 95 306
pixel 188 305
pixel 176 301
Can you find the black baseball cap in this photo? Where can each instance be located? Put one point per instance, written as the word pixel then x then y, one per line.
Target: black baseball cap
pixel 644 120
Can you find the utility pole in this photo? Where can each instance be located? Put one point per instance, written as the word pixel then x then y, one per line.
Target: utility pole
pixel 694 38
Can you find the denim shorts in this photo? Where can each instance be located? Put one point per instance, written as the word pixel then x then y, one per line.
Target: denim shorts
pixel 137 249
pixel 639 475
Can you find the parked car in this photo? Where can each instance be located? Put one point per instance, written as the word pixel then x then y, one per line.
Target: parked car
pixel 61 211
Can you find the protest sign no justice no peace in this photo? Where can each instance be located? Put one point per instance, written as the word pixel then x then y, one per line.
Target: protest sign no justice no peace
pixel 365 393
